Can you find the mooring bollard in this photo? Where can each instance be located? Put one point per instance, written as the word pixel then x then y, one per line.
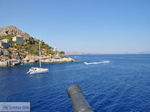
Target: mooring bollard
pixel 79 103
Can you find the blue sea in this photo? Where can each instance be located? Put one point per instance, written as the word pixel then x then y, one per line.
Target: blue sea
pixel 122 85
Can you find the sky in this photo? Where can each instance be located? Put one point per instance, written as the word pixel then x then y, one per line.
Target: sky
pixel 88 26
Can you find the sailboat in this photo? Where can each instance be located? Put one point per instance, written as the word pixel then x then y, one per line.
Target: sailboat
pixel 35 70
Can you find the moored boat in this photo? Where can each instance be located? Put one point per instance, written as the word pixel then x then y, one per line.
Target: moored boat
pixel 35 70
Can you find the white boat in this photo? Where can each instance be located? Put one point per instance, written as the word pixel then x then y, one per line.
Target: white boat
pixel 35 70
pixel 96 62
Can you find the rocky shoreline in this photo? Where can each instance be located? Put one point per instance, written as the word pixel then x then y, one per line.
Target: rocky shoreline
pixel 35 59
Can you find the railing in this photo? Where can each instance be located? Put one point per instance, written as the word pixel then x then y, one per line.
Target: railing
pixel 79 103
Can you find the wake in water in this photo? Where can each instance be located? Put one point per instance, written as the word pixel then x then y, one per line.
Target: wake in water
pixel 86 63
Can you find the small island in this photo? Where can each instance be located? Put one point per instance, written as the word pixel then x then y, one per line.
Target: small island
pixel 17 47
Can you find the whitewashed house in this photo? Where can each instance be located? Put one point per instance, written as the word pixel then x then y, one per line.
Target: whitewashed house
pixel 5 43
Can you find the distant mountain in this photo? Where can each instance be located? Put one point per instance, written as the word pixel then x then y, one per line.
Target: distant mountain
pixel 13 30
pixel 75 53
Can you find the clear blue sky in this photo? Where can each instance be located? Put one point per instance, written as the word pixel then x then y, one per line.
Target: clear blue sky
pixel 90 26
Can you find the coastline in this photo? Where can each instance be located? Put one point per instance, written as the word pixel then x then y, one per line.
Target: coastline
pixel 35 59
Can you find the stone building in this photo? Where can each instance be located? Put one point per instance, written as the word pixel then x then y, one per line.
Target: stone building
pixel 19 39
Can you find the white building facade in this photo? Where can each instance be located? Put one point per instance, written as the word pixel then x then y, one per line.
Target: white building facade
pixel 19 39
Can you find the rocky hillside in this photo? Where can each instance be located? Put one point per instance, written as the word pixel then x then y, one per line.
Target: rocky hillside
pixel 13 48
pixel 13 30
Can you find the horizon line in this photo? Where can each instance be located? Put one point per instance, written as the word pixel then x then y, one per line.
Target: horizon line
pixel 103 53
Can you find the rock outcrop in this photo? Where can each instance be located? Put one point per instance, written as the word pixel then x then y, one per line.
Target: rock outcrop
pixel 4 64
pixel 12 30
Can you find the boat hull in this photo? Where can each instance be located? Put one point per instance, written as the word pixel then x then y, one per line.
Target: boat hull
pixel 37 70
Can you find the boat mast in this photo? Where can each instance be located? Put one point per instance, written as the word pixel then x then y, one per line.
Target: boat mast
pixel 39 53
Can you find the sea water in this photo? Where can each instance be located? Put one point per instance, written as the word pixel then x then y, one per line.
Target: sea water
pixel 122 85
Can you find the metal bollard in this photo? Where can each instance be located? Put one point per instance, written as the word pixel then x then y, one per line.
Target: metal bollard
pixel 79 103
